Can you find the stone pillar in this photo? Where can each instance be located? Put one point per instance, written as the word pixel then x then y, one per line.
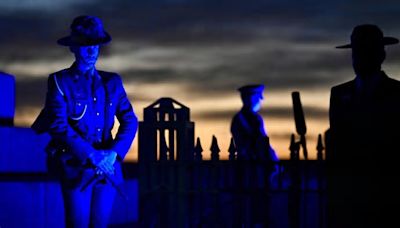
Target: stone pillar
pixel 7 99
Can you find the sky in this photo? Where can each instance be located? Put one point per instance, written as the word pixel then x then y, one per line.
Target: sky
pixel 199 52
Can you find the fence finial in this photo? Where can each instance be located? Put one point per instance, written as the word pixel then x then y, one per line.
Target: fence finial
pixel 232 150
pixel 214 149
pixel 320 148
pixel 198 149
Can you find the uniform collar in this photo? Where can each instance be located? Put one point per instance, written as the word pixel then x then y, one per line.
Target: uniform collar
pixel 247 111
pixel 77 73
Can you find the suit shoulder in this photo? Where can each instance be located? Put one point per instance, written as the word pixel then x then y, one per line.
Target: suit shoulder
pixel 394 82
pixel 344 86
pixel 392 87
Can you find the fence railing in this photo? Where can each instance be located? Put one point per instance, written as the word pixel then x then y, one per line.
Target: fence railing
pixel 232 193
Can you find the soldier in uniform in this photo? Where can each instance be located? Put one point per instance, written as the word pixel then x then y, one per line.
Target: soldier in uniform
pixel 247 127
pixel 79 112
pixel 258 158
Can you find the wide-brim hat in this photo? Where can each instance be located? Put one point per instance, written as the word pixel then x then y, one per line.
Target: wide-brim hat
pixel 86 31
pixel 368 35
pixel 253 89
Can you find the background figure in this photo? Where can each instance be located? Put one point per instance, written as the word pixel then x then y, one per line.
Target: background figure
pixel 81 104
pixel 365 126
pixel 253 146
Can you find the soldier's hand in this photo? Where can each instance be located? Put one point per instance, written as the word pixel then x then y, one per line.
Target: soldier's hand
pixel 96 157
pixel 107 164
pixel 102 162
pixel 105 167
pixel 111 157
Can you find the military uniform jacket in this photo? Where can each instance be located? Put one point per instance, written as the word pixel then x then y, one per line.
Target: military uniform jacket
pixel 248 132
pixel 80 110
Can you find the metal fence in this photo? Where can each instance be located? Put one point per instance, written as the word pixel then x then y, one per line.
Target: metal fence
pixel 232 193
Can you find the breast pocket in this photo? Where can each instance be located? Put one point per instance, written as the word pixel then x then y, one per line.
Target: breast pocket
pixel 111 104
pixel 78 109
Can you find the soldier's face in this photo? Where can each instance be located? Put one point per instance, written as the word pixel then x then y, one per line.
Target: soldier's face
pixel 253 102
pixel 86 56
pixel 257 100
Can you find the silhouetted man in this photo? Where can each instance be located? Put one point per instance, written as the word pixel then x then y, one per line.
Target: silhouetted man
pixel 365 126
pixel 81 104
pixel 251 142
pixel 247 126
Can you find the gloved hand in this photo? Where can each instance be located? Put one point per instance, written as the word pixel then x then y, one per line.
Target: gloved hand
pixel 103 161
pixel 111 157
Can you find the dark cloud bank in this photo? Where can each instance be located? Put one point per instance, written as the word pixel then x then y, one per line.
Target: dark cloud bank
pixel 314 26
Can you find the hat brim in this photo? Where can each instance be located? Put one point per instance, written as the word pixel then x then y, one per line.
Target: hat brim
pixel 385 41
pixel 70 41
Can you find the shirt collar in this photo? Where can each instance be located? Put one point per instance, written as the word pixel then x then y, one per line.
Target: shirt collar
pixel 370 82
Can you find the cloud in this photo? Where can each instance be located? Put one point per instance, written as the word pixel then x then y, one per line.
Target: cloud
pixel 41 5
pixel 210 47
pixel 310 112
pixel 222 69
pixel 30 92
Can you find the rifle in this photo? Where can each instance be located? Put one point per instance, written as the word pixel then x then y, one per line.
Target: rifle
pixel 109 179
pixel 300 122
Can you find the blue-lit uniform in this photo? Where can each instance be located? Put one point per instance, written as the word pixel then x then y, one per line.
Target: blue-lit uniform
pixel 79 115
pixel 248 132
pixel 252 146
pixel 83 107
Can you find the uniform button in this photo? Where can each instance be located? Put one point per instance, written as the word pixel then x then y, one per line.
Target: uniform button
pixel 94 99
pixel 98 129
pixel 110 103
pixel 98 114
pixel 79 104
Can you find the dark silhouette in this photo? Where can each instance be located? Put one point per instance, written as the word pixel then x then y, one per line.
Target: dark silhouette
pixel 252 144
pixel 81 104
pixel 364 129
pixel 247 127
pixel 300 122
pixel 166 135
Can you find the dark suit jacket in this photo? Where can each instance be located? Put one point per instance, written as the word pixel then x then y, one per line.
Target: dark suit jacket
pixel 69 118
pixel 363 154
pixel 365 127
